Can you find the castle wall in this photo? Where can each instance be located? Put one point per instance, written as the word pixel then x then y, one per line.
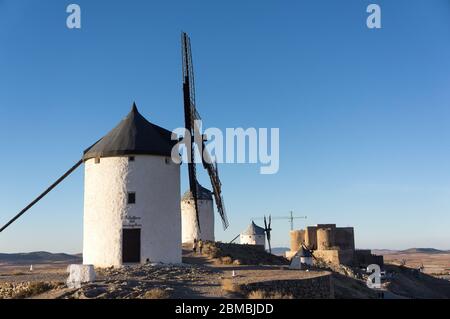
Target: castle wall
pixel 336 257
pixel 311 237
pixel 364 257
pixel 344 238
pixel 320 287
pixel 297 238
pixel 325 238
pixel 330 243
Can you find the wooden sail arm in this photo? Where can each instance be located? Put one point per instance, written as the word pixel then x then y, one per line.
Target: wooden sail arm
pixel 37 199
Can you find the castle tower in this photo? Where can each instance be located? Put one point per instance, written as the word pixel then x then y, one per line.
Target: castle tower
pixel 189 223
pixel 131 199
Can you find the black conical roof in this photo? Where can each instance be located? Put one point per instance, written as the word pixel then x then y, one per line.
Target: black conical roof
pixel 134 135
pixel 254 229
pixel 202 193
pixel 302 252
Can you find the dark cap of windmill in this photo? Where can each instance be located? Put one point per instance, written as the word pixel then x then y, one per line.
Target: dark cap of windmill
pixel 302 252
pixel 202 194
pixel 254 229
pixel 134 135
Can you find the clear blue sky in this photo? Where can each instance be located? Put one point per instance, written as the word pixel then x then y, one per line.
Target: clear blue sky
pixel 363 114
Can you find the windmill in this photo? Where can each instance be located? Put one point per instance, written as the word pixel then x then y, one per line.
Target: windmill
pixel 268 229
pixel 191 119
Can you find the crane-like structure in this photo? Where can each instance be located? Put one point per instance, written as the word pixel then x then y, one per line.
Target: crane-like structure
pixel 191 118
pixel 291 218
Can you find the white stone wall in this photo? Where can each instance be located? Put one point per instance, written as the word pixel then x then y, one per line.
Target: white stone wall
pixel 253 240
pixel 156 183
pixel 306 260
pixel 189 222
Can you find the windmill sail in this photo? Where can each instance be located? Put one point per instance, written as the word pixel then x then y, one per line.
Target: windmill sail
pixel 191 115
pixel 213 173
pixel 268 230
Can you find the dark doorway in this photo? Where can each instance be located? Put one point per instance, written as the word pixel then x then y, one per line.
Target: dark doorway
pixel 131 246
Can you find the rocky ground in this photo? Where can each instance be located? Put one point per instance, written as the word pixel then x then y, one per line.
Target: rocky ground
pixel 201 276
pixel 169 281
pixel 218 273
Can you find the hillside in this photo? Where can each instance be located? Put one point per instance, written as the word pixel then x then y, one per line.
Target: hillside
pixel 410 251
pixel 423 251
pixel 39 257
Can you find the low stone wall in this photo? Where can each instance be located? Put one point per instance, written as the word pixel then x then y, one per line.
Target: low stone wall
pixel 345 257
pixel 320 287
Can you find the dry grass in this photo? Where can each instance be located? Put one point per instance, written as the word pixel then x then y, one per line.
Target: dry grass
pixel 260 294
pixel 229 286
pixel 227 254
pixel 237 262
pixel 34 289
pixel 227 260
pixel 156 293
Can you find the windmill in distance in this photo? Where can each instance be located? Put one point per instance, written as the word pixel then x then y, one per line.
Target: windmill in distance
pixel 268 229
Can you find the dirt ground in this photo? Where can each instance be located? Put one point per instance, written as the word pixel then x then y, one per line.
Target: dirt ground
pixel 433 263
pixel 202 278
pixel 42 272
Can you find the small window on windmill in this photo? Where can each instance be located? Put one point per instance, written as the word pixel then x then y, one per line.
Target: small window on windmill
pixel 131 159
pixel 97 160
pixel 131 198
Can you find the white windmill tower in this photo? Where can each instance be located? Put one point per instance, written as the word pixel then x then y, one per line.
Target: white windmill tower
pixel 253 235
pixel 190 229
pixel 131 196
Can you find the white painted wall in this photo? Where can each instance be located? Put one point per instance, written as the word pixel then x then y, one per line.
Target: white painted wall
pixel 253 240
pixel 157 209
pixel 306 260
pixel 189 225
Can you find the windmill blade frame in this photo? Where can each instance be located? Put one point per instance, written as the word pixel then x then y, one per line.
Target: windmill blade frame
pixel 216 184
pixel 191 116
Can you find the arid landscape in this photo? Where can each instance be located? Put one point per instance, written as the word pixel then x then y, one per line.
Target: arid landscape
pixel 226 271
pixel 434 262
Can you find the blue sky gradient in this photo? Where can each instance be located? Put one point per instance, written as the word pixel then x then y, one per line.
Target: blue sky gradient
pixel 363 114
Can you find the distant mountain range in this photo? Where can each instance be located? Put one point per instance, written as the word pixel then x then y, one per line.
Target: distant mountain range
pixel 39 257
pixel 410 251
pixel 279 251
pixel 43 257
